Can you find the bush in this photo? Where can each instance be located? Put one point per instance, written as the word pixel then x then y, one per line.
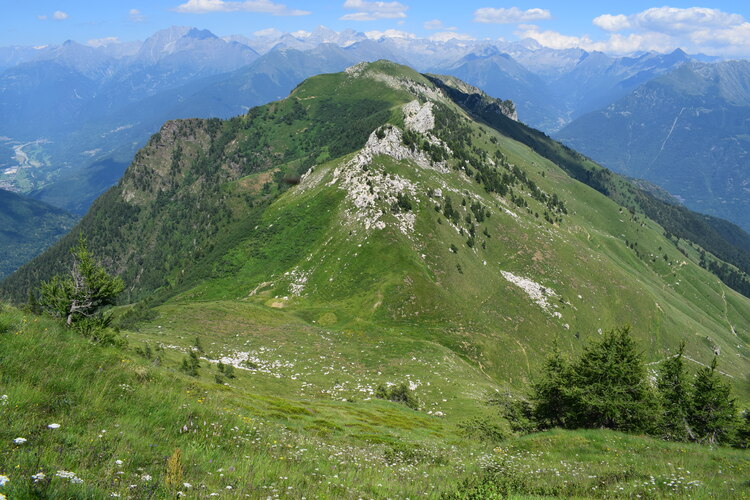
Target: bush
pixel 485 429
pixel 399 394
pixel 516 411
pixel 190 364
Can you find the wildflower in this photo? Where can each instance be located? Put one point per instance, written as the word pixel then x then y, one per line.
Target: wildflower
pixel 54 426
pixel 4 399
pixel 3 497
pixel 19 440
pixel 39 476
pixel 145 477
pixel 65 474
pixel 187 485
pixel 114 494
pixel 4 480
pixel 118 462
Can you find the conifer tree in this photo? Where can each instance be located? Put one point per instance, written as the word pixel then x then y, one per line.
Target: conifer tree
pixel 712 415
pixel 743 430
pixel 674 394
pixel 609 386
pixel 550 394
pixel 82 293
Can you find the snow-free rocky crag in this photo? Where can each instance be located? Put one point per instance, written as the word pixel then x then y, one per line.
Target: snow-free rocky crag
pixel 369 212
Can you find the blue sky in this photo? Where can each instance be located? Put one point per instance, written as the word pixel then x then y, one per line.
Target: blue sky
pixel 615 26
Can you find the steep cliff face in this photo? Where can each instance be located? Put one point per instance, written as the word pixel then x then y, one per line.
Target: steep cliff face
pixel 473 98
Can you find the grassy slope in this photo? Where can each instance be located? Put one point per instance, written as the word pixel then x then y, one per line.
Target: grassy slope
pixel 256 436
pixel 378 282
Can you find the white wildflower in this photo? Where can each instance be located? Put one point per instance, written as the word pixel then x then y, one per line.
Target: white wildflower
pixel 4 399
pixel 19 440
pixel 54 426
pixel 118 462
pixel 4 480
pixel 187 486
pixel 145 477
pixel 39 476
pixel 71 476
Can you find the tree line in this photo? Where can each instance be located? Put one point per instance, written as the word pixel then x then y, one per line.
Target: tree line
pixel 609 386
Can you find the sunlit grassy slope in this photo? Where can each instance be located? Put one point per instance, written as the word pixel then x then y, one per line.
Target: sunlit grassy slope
pixel 282 430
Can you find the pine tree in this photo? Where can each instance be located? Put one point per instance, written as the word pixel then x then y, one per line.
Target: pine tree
pixel 712 415
pixel 550 394
pixel 609 386
pixel 743 431
pixel 674 394
pixel 84 292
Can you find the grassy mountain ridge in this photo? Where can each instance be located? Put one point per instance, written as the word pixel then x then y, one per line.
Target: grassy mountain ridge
pixel 728 242
pixel 409 215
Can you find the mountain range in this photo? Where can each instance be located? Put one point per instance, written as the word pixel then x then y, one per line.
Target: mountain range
pixel 80 112
pixel 76 114
pixel 686 131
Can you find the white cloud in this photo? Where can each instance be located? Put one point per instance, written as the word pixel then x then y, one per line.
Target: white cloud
pixel 136 16
pixel 616 43
pixel 608 22
pixel 377 35
pixel 553 39
pixel 370 11
pixel 669 20
pixel 444 36
pixel 694 29
pixel 269 32
pixel 262 6
pixel 512 15
pixel 58 15
pixel 103 42
pixel 437 24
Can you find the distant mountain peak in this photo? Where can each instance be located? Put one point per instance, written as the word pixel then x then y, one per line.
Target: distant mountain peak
pixel 199 34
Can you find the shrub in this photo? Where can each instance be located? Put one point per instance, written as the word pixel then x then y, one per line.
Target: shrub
pixel 399 394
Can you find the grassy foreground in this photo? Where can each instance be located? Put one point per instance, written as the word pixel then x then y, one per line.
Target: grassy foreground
pixel 121 417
